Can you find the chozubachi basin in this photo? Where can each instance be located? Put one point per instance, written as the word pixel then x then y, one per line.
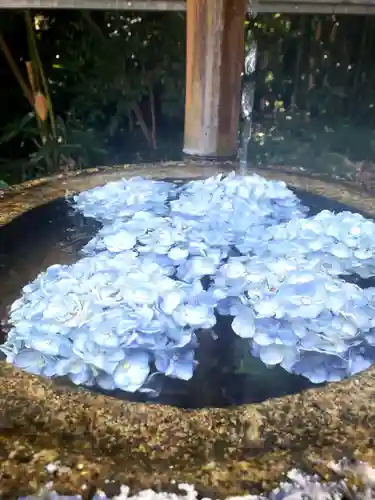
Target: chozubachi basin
pixel 235 425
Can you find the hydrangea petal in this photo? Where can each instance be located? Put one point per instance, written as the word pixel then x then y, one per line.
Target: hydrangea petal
pixel 271 354
pixel 244 324
pixel 131 373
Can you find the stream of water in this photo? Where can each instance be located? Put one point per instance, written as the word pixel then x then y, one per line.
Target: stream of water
pixel 247 104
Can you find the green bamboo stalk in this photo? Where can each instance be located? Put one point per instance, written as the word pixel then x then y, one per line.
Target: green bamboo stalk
pixel 49 133
pixel 16 72
pixel 39 66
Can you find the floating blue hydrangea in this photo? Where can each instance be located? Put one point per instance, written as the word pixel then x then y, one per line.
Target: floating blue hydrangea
pixel 169 258
pixel 289 309
pixel 343 243
pixel 105 319
pixel 124 198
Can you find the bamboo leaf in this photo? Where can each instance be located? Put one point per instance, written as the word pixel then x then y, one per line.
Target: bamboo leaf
pixel 14 132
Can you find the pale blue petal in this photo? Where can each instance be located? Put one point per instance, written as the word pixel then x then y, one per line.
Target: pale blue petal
pixel 177 365
pixel 63 366
pixel 244 324
pixel 182 369
pixel 195 316
pixel 271 355
pixel 171 301
pixel 180 337
pixel 131 374
pixel 30 360
pixel 317 376
pixel 44 345
pixel 162 361
pixel 359 364
pixel 263 339
pixel 178 254
pixel 82 377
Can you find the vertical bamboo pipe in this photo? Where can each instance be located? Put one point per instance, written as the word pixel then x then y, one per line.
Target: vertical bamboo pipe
pixel 214 62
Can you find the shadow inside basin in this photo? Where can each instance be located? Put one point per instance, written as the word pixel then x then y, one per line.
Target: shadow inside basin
pixel 54 233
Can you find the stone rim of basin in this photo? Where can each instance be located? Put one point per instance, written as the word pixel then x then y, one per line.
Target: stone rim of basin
pixel 221 451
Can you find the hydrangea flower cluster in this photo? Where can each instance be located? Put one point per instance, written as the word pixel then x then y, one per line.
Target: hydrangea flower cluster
pixel 169 258
pixel 343 243
pixel 296 315
pixel 100 325
pixel 122 199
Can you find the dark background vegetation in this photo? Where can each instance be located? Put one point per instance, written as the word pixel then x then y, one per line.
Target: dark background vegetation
pixel 113 84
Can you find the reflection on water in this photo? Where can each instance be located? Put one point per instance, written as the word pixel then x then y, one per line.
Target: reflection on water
pixel 50 234
pixel 226 374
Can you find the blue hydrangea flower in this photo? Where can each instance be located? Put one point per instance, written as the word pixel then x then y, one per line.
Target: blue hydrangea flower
pixel 169 258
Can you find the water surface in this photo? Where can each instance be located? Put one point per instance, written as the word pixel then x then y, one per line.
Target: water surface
pixel 54 233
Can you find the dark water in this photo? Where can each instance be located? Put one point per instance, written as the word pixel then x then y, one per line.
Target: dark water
pixel 54 233
pixel 50 234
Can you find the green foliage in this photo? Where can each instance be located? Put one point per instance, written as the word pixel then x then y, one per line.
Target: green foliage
pixel 315 93
pixel 123 62
pixel 73 148
pixel 116 83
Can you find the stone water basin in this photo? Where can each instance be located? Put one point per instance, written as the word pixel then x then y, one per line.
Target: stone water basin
pixel 222 451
